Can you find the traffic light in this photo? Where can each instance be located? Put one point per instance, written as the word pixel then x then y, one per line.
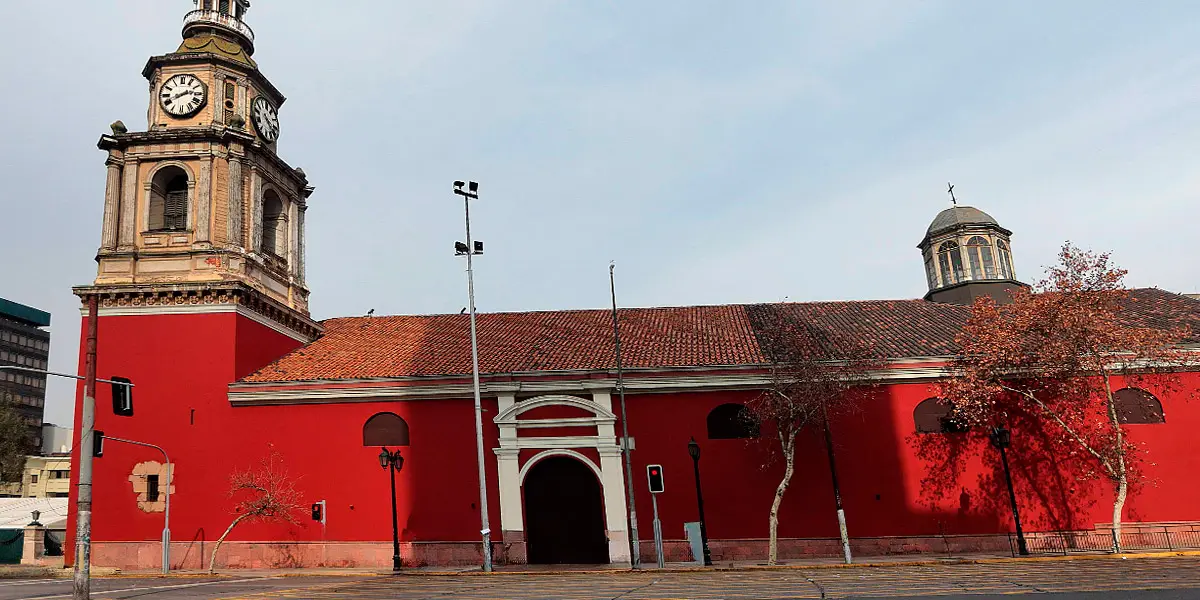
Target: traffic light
pixel 122 395
pixel 97 444
pixel 318 512
pixel 654 474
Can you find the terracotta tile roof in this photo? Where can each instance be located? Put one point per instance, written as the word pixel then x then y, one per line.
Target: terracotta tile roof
pixel 694 336
pixel 414 346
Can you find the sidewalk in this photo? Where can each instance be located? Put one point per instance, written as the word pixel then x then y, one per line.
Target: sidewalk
pixel 822 563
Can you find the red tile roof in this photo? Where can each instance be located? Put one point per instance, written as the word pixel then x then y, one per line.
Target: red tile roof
pixel 693 336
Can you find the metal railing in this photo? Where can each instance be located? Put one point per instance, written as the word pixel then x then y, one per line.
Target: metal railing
pixel 218 18
pixel 1134 539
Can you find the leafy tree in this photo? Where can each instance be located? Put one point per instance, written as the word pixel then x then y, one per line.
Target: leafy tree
pixel 814 373
pixel 1055 352
pixel 263 493
pixel 14 442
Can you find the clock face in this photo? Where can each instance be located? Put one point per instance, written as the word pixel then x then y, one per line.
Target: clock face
pixel 266 119
pixel 183 95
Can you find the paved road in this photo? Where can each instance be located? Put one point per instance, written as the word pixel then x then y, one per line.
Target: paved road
pixel 1144 579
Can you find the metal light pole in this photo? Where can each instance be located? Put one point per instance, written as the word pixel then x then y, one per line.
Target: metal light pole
pixel 81 582
pixel 392 461
pixel 635 552
pixel 470 249
pixel 837 490
pixel 166 532
pixel 81 586
pixel 694 452
pixel 1001 439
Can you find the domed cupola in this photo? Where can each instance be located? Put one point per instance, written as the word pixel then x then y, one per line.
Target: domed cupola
pixel 967 255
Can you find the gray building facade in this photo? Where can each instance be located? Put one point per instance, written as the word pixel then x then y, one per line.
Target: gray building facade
pixel 25 342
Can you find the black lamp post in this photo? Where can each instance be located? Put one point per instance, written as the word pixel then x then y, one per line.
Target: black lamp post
pixel 392 461
pixel 1001 439
pixel 694 452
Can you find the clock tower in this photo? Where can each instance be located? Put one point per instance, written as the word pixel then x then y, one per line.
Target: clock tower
pixel 201 267
pixel 199 208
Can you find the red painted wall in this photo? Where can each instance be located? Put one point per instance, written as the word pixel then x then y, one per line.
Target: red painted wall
pixel 893 481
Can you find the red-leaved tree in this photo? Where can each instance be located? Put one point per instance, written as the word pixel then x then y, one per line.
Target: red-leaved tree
pixel 814 373
pixel 263 493
pixel 1054 353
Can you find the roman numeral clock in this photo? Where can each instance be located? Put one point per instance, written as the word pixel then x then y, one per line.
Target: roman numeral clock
pixel 183 95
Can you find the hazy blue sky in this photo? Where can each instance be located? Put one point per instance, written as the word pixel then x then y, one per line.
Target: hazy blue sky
pixel 717 151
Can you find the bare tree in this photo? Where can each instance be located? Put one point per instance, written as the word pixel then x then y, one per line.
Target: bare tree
pixel 814 372
pixel 263 493
pixel 1054 354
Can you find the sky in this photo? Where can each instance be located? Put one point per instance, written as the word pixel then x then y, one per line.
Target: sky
pixel 718 152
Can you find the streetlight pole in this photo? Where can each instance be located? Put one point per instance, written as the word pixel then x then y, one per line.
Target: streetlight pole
pixel 635 552
pixel 1001 439
pixel 81 582
pixel 166 532
pixel 694 451
pixel 81 586
pixel 392 461
pixel 470 249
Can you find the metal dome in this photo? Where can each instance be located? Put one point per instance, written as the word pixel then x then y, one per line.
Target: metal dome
pixel 959 215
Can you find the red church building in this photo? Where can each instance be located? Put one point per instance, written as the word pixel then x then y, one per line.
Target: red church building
pixel 203 305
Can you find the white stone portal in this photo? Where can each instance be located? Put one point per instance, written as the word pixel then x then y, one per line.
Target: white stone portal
pixel 604 441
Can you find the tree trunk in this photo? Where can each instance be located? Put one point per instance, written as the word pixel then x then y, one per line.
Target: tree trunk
pixel 212 558
pixel 1120 472
pixel 788 441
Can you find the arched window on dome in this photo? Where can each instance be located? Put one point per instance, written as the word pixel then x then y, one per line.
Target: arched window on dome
pixel 932 415
pixel 731 422
pixel 1006 266
pixel 979 256
pixel 951 263
pixel 1137 406
pixel 931 271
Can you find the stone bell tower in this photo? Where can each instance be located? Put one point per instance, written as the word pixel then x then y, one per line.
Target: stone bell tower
pixel 199 208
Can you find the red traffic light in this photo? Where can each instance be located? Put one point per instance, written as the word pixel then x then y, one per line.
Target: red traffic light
pixel 654 476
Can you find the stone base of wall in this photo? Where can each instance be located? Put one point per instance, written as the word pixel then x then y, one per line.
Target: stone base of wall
pixel 288 555
pixel 799 548
pixel 512 551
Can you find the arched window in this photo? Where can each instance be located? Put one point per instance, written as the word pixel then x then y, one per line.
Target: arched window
pixel 979 255
pixel 274 238
pixel 932 415
pixel 385 429
pixel 950 260
pixel 1137 406
pixel 1006 267
pixel 931 271
pixel 731 422
pixel 168 200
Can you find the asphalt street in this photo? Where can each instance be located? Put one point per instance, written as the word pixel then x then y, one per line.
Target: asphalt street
pixel 1095 579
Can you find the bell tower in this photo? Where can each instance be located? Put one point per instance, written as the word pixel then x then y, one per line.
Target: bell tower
pixel 199 208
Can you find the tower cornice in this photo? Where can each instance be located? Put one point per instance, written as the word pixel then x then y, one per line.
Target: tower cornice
pixel 218 134
pixel 179 298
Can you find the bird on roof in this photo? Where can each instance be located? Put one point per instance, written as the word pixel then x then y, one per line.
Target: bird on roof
pixel 371 313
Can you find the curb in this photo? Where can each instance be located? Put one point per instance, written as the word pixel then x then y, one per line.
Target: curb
pixel 627 571
pixel 812 567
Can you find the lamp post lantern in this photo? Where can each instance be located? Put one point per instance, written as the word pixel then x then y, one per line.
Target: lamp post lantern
pixel 1001 439
pixel 392 461
pixel 469 249
pixel 694 452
